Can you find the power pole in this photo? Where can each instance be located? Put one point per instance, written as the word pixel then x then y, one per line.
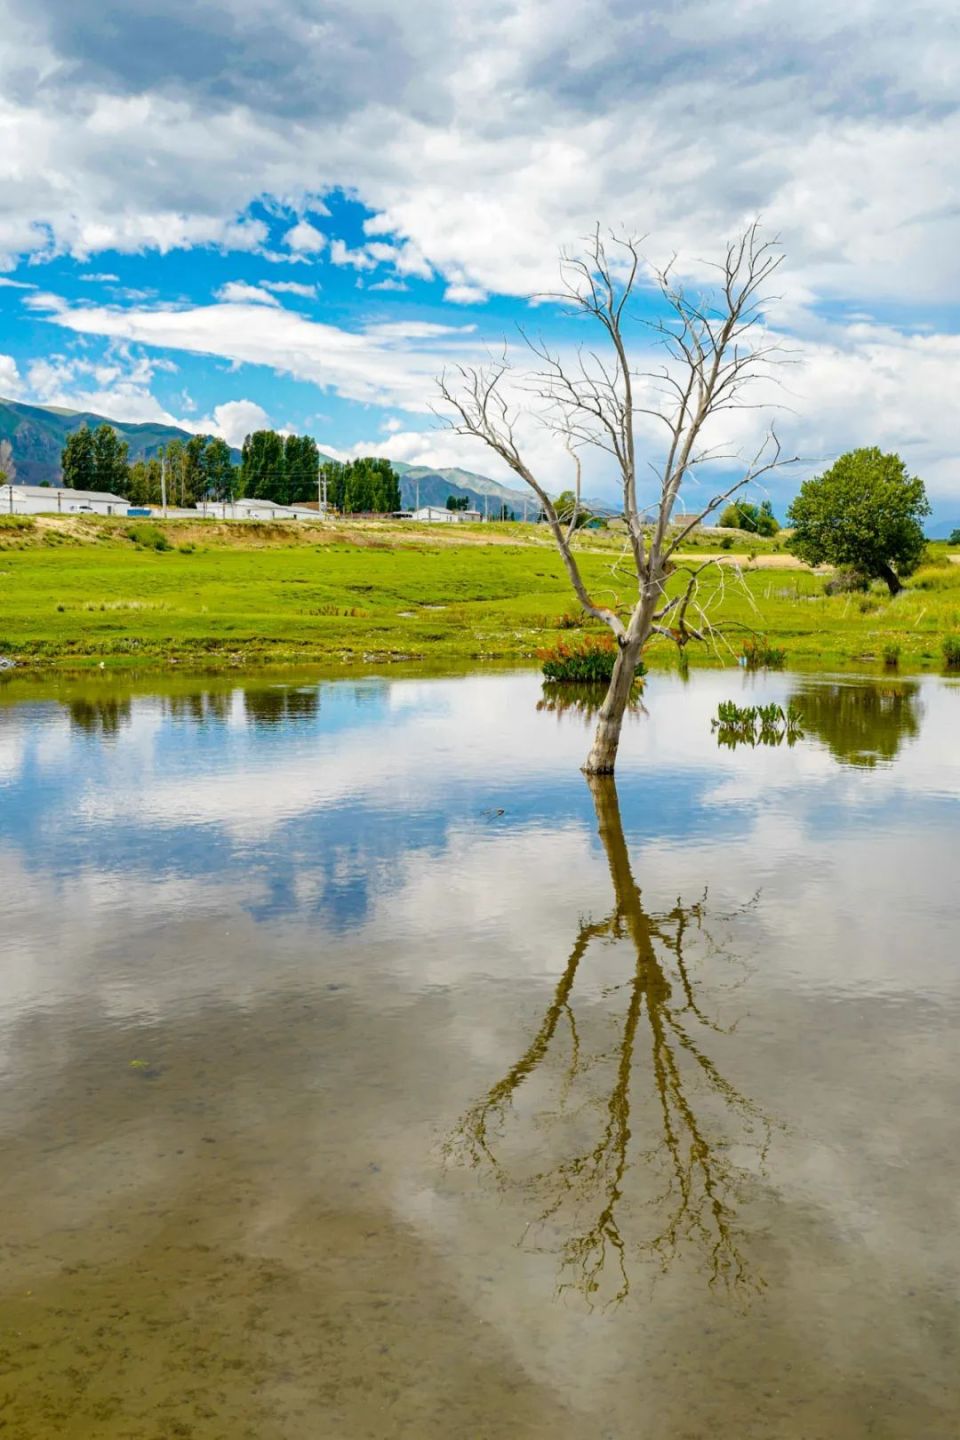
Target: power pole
pixel 486 506
pixel 163 480
pixel 418 494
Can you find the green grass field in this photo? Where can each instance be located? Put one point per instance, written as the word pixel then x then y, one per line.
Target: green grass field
pixel 78 593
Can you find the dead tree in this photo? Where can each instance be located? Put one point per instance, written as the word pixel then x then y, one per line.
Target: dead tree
pixel 713 347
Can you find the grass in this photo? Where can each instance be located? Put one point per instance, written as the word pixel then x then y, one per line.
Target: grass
pixel 80 592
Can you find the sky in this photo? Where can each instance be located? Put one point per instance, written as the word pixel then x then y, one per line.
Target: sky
pixel 230 214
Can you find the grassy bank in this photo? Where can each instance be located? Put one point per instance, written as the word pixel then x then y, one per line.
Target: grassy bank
pixel 80 592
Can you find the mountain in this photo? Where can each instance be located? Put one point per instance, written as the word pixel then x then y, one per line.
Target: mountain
pixel 37 434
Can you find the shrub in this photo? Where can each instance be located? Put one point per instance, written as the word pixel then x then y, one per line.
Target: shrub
pixel 570 620
pixel 756 724
pixel 589 662
pixel 726 543
pixel 951 651
pixel 148 537
pixel 757 654
pixel 891 655
pixel 846 582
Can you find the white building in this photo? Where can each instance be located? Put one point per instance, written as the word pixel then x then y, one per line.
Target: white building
pixel 57 500
pixel 249 509
pixel 434 515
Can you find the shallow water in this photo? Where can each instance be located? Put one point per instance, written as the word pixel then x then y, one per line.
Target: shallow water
pixel 365 1074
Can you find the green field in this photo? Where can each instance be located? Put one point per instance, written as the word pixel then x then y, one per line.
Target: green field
pixel 78 593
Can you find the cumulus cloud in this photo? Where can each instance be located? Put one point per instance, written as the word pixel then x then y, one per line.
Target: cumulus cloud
pixel 304 236
pixel 235 420
pixel 10 382
pixel 290 287
pixel 238 292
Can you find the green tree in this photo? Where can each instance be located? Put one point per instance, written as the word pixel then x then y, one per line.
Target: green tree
pixel 565 503
pixel 78 462
pixel 262 470
pixel 458 502
pixel 302 463
pixel 756 519
pixel 333 473
pixel 143 487
pixel 111 466
pixel 370 486
pixel 220 473
pixel 954 537
pixel 865 512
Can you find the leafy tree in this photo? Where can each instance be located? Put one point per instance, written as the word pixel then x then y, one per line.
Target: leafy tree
pixel 864 512
pixel 458 502
pixel 220 473
pixel 565 504
pixel 954 537
pixel 262 469
pixel 756 519
pixel 302 465
pixel 110 460
pixel 78 461
pixel 333 472
pixel 370 486
pixel 143 486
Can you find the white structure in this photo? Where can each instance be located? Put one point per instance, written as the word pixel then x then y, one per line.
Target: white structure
pixel 433 515
pixel 249 509
pixel 56 500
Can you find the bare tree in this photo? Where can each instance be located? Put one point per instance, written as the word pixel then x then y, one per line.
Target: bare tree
pixel 714 347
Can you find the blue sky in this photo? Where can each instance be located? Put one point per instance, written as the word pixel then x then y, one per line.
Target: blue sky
pixel 232 214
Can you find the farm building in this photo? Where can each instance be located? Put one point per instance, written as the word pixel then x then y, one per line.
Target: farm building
pixel 434 515
pixel 57 500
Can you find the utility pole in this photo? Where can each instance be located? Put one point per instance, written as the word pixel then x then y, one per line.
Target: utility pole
pixel 418 495
pixel 163 480
pixel 486 506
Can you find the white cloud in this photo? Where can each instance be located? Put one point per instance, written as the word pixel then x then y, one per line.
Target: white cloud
pixel 10 382
pixel 461 294
pixel 290 287
pixel 238 292
pixel 304 236
pixel 236 419
pixel 341 254
pixel 98 278
pixel 15 284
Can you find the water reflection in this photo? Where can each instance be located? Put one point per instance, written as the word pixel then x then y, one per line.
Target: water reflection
pixel 563 698
pixel 278 704
pixel 861 723
pixel 100 714
pixel 686 1141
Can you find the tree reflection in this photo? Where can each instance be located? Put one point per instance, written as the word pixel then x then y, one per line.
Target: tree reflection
pixel 860 722
pixel 564 698
pixel 280 703
pixel 684 1132
pixel 101 715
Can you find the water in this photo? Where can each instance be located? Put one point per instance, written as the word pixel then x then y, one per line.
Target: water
pixel 364 1074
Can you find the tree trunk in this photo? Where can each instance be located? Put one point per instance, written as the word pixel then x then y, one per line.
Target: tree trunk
pixel 890 575
pixel 606 740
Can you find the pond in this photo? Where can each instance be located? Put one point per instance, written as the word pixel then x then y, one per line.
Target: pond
pixel 366 1073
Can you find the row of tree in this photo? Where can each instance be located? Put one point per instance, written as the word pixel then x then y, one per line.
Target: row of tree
pixel 362 487
pixel 283 468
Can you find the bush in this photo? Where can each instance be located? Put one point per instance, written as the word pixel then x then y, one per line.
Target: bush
pixel 148 537
pixel 726 543
pixel 589 662
pixel 891 655
pixel 951 651
pixel 759 655
pixel 846 582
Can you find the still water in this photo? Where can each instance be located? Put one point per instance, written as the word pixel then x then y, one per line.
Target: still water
pixel 364 1073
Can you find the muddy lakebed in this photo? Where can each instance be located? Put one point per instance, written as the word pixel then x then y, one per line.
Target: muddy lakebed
pixel 367 1073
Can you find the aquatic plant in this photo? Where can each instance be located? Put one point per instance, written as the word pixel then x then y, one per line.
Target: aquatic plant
pixel 590 661
pixel 756 724
pixel 758 654
pixel 951 651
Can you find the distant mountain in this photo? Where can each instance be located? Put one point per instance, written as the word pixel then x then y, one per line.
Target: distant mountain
pixel 942 529
pixel 37 434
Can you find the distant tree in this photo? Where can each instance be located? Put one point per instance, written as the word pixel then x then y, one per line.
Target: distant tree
pixel 506 513
pixel 953 540
pixel 78 461
pixel 302 465
pixel 262 469
pixel 458 502
pixel 865 512
pixel 756 519
pixel 566 505
pixel 110 461
pixel 370 486
pixel 332 472
pixel 143 484
pixel 221 476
